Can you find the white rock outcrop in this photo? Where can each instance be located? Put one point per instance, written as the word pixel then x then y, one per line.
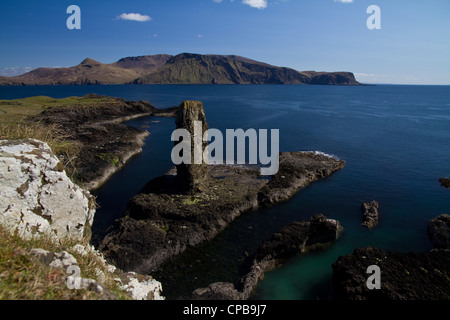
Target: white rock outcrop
pixel 141 287
pixel 36 196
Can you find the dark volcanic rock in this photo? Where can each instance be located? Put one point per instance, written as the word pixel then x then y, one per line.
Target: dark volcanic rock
pixel 191 176
pixel 370 211
pixel 188 219
pixel 297 169
pixel 439 231
pixel 445 182
pixel 404 276
pixel 295 238
pixel 184 220
pixel 218 291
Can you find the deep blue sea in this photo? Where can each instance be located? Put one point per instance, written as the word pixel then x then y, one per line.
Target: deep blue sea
pixel 394 139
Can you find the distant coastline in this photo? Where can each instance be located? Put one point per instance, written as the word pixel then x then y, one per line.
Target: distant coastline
pixel 184 68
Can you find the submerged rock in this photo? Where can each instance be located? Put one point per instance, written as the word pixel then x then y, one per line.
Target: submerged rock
pixel 36 195
pixel 295 238
pixel 439 231
pixel 370 211
pixel 445 182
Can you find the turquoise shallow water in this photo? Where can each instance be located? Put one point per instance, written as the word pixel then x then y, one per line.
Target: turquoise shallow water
pixel 395 140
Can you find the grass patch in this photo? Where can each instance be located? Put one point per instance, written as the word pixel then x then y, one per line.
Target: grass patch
pixel 191 200
pixel 110 158
pixel 23 277
pixel 14 124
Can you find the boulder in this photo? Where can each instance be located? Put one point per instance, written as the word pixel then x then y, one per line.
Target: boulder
pixel 36 195
pixel 439 231
pixel 370 211
pixel 141 287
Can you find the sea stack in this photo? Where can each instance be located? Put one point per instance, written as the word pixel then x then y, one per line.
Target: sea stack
pixel 370 210
pixel 190 177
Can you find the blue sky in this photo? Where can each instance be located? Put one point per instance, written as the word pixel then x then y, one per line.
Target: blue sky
pixel 412 46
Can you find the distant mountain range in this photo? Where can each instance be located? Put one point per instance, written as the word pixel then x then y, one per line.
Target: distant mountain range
pixel 184 68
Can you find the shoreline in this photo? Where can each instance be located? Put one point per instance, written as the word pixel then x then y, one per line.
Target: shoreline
pixel 140 141
pixel 110 171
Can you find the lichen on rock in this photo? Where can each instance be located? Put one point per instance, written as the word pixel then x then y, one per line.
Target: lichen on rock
pixel 36 195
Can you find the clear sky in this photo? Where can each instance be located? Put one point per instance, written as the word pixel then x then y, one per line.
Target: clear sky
pixel 412 46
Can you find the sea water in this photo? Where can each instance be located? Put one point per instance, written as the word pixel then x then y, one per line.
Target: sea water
pixel 394 139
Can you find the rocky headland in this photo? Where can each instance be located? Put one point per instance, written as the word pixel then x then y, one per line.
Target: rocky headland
pixel 104 143
pixel 192 204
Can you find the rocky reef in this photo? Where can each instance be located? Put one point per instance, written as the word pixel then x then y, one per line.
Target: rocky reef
pixel 295 238
pixel 370 212
pixel 168 215
pixel 404 276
